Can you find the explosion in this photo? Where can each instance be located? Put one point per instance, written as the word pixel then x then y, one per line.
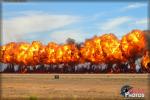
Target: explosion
pixel 92 50
pixel 146 62
pixel 61 53
pixel 107 49
pixel 133 44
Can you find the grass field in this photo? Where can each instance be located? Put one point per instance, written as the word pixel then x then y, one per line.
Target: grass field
pixel 70 86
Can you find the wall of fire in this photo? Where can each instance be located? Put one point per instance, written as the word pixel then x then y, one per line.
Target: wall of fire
pixel 104 53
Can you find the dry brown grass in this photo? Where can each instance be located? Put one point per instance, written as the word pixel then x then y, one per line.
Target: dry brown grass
pixel 74 86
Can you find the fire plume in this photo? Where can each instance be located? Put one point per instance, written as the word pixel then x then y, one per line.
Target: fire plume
pixel 61 53
pixel 146 60
pixel 92 50
pixel 111 48
pixel 133 44
pixel 99 49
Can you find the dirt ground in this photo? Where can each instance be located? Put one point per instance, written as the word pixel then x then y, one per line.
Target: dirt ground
pixel 70 86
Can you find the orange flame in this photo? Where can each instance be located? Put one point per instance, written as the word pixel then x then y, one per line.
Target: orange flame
pixel 103 49
pixel 111 48
pixel 133 44
pixel 146 60
pixel 92 50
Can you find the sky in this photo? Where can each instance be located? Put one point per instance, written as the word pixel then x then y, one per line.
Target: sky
pixel 57 21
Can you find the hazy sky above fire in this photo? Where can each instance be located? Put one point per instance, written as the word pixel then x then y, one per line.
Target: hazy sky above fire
pixel 57 21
